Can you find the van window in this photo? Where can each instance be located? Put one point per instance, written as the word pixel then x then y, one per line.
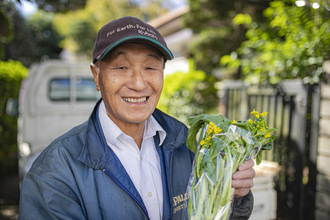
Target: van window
pixel 84 88
pixel 59 89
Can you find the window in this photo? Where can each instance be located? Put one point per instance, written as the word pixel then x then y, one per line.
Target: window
pixel 84 89
pixel 59 89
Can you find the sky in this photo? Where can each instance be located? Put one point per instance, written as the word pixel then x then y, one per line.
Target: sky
pixel 26 7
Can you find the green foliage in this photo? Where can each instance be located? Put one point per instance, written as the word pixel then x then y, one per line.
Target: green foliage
pixel 293 43
pixel 12 71
pixel 85 38
pixel 46 38
pixel 216 35
pixel 16 39
pixel 79 27
pixel 188 94
pixel 22 45
pixel 210 45
pixel 6 29
pixel 11 75
pixel 33 38
pixel 58 6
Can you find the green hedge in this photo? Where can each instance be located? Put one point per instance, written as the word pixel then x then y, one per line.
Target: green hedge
pixel 11 75
pixel 189 93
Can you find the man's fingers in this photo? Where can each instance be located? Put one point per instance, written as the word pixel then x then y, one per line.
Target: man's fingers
pixel 246 165
pixel 246 183
pixel 242 179
pixel 245 174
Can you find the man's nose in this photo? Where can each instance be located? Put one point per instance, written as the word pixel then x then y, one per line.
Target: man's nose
pixel 138 81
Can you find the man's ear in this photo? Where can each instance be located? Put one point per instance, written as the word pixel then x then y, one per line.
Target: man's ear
pixel 95 70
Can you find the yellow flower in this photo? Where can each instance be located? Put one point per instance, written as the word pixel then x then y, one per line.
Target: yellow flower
pixel 254 112
pixel 257 115
pixel 267 135
pixel 234 121
pixel 208 138
pixel 250 121
pixel 263 128
pixel 211 128
pixel 202 142
pixel 217 130
pixel 212 124
pixel 264 114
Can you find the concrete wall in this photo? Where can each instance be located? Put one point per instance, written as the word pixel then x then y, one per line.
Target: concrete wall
pixel 322 200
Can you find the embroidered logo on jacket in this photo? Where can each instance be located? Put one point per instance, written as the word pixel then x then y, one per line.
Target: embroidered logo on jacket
pixel 177 200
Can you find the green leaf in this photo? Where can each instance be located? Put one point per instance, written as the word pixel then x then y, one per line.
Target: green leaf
pixel 196 122
pixel 267 146
pixel 242 19
pixel 259 157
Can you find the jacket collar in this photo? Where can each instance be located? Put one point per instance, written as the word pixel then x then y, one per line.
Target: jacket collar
pixel 94 151
pixel 176 132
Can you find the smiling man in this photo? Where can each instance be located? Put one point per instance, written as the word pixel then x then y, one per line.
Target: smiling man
pixel 130 80
pixel 129 160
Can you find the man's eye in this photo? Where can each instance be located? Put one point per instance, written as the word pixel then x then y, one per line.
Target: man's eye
pixel 121 67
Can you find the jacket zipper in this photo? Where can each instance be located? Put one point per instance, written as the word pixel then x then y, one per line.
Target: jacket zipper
pixel 124 188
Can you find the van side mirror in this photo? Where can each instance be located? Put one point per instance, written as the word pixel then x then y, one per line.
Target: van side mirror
pixel 12 107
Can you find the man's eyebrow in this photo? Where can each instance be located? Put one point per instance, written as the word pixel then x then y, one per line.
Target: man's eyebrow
pixel 116 53
pixel 155 55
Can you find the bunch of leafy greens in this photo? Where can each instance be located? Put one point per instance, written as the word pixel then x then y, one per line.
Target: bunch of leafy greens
pixel 221 147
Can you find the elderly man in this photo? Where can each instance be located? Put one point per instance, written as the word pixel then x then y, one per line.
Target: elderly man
pixel 129 160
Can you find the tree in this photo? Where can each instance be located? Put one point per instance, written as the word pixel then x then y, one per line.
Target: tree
pixel 46 38
pixel 58 6
pixel 34 38
pixel 80 27
pixel 11 75
pixel 21 46
pixel 8 27
pixel 211 20
pixel 293 43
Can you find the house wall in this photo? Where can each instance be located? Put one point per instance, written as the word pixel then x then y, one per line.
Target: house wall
pixel 322 200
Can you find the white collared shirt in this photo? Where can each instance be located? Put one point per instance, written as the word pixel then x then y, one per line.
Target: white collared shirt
pixel 143 166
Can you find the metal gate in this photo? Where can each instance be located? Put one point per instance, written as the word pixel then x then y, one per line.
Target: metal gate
pixel 293 109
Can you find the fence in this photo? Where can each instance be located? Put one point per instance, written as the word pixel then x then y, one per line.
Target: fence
pixel 293 109
pixel 322 197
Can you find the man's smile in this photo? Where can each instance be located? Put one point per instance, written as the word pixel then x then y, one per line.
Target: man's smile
pixel 135 100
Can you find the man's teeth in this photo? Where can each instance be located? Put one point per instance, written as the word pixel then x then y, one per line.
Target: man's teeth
pixel 134 100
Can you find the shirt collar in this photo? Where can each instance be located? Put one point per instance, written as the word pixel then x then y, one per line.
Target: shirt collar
pixel 112 132
pixel 152 126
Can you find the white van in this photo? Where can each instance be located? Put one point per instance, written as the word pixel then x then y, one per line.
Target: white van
pixel 56 96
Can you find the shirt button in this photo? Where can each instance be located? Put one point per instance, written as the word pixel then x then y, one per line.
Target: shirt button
pixel 140 157
pixel 149 194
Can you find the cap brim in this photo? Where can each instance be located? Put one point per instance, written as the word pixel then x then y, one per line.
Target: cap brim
pixel 164 50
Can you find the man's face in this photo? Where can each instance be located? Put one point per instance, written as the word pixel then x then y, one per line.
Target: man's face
pixel 130 81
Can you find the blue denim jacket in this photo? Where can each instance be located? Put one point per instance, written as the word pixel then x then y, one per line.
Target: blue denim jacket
pixel 79 177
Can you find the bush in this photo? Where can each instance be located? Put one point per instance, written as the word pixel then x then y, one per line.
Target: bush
pixel 11 75
pixel 188 94
pixel 292 44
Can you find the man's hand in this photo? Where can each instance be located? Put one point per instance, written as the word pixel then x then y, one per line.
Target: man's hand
pixel 242 179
